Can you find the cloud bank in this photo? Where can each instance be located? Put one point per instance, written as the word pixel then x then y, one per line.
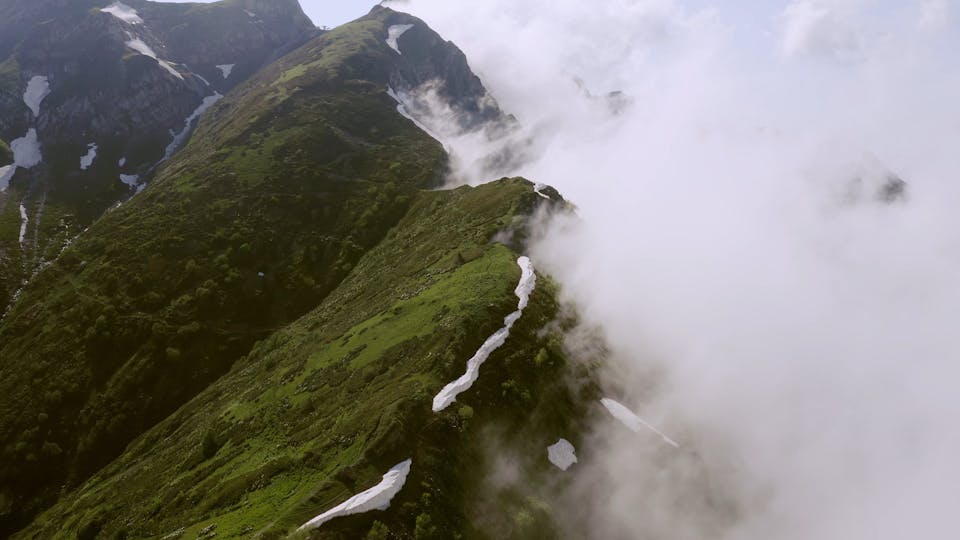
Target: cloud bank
pixel 767 237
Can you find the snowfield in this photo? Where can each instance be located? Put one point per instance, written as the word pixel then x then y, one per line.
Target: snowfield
pixel 226 69
pixel 632 421
pixel 87 160
pixel 376 498
pixel 394 33
pixel 37 89
pixel 448 395
pixel 26 150
pixel 562 454
pixel 123 12
pixel 144 49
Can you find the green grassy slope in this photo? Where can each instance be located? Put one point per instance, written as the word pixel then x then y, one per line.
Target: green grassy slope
pixel 6 155
pixel 321 409
pixel 294 176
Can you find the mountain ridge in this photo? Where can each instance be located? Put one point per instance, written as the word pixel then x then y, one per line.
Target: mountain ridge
pixel 237 236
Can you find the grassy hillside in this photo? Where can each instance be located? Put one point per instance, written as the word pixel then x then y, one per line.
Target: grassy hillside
pixel 6 155
pixel 287 184
pixel 319 410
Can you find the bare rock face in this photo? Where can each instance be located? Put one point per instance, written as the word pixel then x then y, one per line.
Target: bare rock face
pixel 129 83
pixel 426 57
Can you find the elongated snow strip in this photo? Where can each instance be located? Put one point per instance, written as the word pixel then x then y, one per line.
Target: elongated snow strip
pixel 537 188
pixel 144 49
pixel 394 33
pixel 562 454
pixel 528 280
pixel 404 112
pixel 376 498
pixel 24 221
pixel 632 421
pixel 179 138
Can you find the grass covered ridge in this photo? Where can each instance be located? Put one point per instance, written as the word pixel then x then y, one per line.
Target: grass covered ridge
pixel 282 190
pixel 6 155
pixel 319 410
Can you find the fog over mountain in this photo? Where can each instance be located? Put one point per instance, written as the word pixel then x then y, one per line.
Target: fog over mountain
pixel 767 241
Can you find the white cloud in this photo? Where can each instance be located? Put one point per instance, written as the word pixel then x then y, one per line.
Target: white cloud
pixel 795 332
pixel 819 27
pixel 934 14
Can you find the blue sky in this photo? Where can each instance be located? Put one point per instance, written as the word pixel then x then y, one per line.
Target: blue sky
pixel 331 12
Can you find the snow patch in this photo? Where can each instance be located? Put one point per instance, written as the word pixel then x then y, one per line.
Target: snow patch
pixel 226 69
pixel 179 138
pixel 37 89
pixel 138 45
pixel 26 150
pixel 538 189
pixel 202 78
pixel 636 424
pixel 24 221
pixel 376 498
pixel 448 395
pixel 394 33
pixel 131 180
pixel 122 162
pixel 87 160
pixel 562 454
pixel 251 14
pixel 123 12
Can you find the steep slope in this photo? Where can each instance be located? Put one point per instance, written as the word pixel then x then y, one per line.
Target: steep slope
pixel 6 155
pixel 287 183
pixel 104 91
pixel 319 410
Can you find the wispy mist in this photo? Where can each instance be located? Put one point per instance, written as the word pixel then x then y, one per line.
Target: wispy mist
pixel 774 297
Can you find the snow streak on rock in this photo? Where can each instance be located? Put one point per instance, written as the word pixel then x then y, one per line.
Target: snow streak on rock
pixel 138 45
pixel 632 421
pixel 448 395
pixel 402 109
pixel 394 33
pixel 376 498
pixel 123 12
pixel 37 89
pixel 562 454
